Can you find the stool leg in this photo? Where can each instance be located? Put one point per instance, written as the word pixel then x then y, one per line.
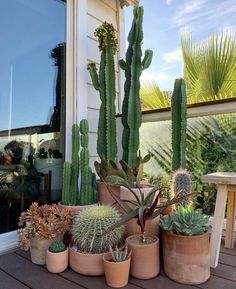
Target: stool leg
pixel 217 226
pixel 231 210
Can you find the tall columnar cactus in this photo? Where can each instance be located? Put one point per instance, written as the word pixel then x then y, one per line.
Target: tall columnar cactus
pixel 87 180
pixel 179 124
pixel 75 163
pixel 89 226
pixel 104 82
pixel 66 177
pixel 181 184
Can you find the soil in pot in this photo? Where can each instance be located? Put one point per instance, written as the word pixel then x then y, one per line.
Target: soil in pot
pixel 186 258
pixel 86 264
pixel 145 261
pixel 57 262
pixel 117 273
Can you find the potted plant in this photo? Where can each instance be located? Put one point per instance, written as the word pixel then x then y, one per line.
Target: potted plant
pixel 89 243
pixel 145 261
pixel 57 257
pixel 73 197
pixel 186 246
pixel 41 225
pixel 116 266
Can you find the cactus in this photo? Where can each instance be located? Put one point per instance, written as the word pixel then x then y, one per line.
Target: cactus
pixel 181 184
pixel 89 226
pixel 66 177
pixel 179 123
pixel 57 247
pixel 104 82
pixel 75 163
pixel 131 107
pixel 120 255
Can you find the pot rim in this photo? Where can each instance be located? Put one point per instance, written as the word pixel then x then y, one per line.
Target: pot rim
pixel 108 255
pixel 184 236
pixel 141 245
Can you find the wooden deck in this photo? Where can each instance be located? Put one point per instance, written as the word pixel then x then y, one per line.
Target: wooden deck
pixel 18 272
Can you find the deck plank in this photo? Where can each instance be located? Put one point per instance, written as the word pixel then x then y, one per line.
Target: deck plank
pixel 32 275
pixel 8 282
pixel 225 271
pixel 216 282
pixel 227 259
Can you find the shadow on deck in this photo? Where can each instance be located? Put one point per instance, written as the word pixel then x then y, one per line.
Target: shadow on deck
pixel 18 272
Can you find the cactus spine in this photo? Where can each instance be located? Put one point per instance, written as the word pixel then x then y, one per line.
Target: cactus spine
pixel 181 184
pixel 133 66
pixel 88 228
pixel 104 82
pixel 179 124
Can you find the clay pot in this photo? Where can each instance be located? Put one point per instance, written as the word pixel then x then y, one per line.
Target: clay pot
pixel 7 160
pixel 145 261
pixel 74 209
pixel 38 249
pixel 105 198
pixel 186 258
pixel 57 262
pixel 167 210
pixel 116 273
pixel 86 264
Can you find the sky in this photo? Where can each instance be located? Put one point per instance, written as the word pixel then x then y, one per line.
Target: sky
pixel 166 20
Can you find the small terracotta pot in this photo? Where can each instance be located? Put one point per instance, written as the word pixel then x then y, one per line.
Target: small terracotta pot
pixel 38 249
pixel 186 258
pixel 74 209
pixel 57 262
pixel 145 261
pixel 105 198
pixel 86 264
pixel 116 273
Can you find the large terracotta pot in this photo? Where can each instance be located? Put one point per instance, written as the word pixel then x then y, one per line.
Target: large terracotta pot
pixel 38 249
pixel 74 209
pixel 57 262
pixel 186 258
pixel 86 264
pixel 105 198
pixel 145 261
pixel 116 273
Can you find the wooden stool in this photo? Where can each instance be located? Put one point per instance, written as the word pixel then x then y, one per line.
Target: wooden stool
pixel 226 191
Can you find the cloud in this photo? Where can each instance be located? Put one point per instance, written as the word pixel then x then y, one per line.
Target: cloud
pixel 175 55
pixel 168 2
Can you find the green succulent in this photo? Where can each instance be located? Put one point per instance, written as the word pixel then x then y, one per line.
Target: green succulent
pixel 120 255
pixel 57 247
pixel 88 227
pixel 185 221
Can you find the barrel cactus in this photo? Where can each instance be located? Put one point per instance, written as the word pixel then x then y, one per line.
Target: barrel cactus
pixel 104 82
pixel 57 247
pixel 181 184
pixel 179 124
pixel 89 226
pixel 133 65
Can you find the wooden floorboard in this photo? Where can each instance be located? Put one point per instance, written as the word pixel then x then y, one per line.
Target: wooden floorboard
pixel 18 272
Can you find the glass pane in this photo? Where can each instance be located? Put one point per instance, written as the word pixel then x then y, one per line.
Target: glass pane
pixel 32 104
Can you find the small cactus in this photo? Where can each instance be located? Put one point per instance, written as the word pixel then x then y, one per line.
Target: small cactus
pixel 88 228
pixel 57 247
pixel 120 255
pixel 181 184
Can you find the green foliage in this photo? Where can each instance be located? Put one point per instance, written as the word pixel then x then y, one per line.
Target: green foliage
pixel 88 228
pixel 120 255
pixel 133 66
pixel 185 221
pixel 104 82
pixel 179 124
pixel 57 247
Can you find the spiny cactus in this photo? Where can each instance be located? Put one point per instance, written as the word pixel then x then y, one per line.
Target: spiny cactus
pixel 75 163
pixel 179 124
pixel 133 66
pixel 88 228
pixel 181 184
pixel 57 247
pixel 104 82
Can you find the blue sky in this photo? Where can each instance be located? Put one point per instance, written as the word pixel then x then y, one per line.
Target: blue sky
pixel 165 20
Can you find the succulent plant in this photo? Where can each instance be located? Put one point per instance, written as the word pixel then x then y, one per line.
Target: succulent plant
pixel 185 221
pixel 181 184
pixel 120 255
pixel 133 66
pixel 88 228
pixel 57 247
pixel 179 124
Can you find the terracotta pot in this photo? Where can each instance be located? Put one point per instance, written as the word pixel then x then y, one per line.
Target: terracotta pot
pixel 145 261
pixel 57 262
pixel 105 198
pixel 86 264
pixel 186 258
pixel 74 209
pixel 7 160
pixel 38 249
pixel 116 273
pixel 167 210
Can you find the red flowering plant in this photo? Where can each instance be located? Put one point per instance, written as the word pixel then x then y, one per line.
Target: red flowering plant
pixel 44 222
